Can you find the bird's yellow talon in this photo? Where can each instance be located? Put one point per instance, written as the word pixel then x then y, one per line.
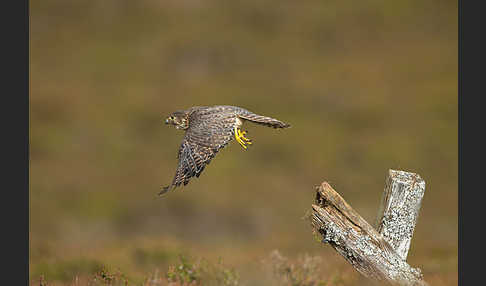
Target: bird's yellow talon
pixel 240 137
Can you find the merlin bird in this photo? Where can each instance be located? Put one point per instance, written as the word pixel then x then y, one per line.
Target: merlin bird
pixel 208 130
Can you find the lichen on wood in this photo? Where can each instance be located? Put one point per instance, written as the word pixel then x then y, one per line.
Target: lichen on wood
pixel 399 209
pixel 358 242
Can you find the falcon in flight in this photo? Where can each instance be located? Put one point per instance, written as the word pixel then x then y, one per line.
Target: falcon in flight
pixel 208 130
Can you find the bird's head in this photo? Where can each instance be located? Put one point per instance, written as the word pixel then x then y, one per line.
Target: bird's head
pixel 178 119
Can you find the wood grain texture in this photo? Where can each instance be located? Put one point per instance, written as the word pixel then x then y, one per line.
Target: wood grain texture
pixel 358 242
pixel 399 209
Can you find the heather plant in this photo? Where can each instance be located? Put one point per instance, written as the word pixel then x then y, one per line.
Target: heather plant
pixel 304 272
pixel 201 272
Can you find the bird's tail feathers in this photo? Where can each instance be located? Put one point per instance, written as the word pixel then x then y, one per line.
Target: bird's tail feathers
pixel 264 120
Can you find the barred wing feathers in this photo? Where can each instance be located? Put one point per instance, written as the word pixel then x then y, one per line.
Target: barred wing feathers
pixel 204 138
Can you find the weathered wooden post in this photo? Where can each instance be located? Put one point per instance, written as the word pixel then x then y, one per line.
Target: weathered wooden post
pixel 377 254
pixel 399 209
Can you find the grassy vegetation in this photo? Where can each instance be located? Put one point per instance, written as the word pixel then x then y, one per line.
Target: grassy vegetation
pixel 367 86
pixel 304 271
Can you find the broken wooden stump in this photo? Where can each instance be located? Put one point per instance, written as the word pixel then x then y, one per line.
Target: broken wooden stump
pixel 377 254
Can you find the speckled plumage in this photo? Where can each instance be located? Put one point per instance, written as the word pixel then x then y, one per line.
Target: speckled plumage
pixel 208 130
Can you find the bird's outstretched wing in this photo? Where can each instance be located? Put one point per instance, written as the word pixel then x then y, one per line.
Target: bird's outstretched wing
pixel 208 133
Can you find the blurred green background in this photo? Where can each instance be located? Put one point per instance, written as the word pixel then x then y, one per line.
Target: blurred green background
pixel 366 85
